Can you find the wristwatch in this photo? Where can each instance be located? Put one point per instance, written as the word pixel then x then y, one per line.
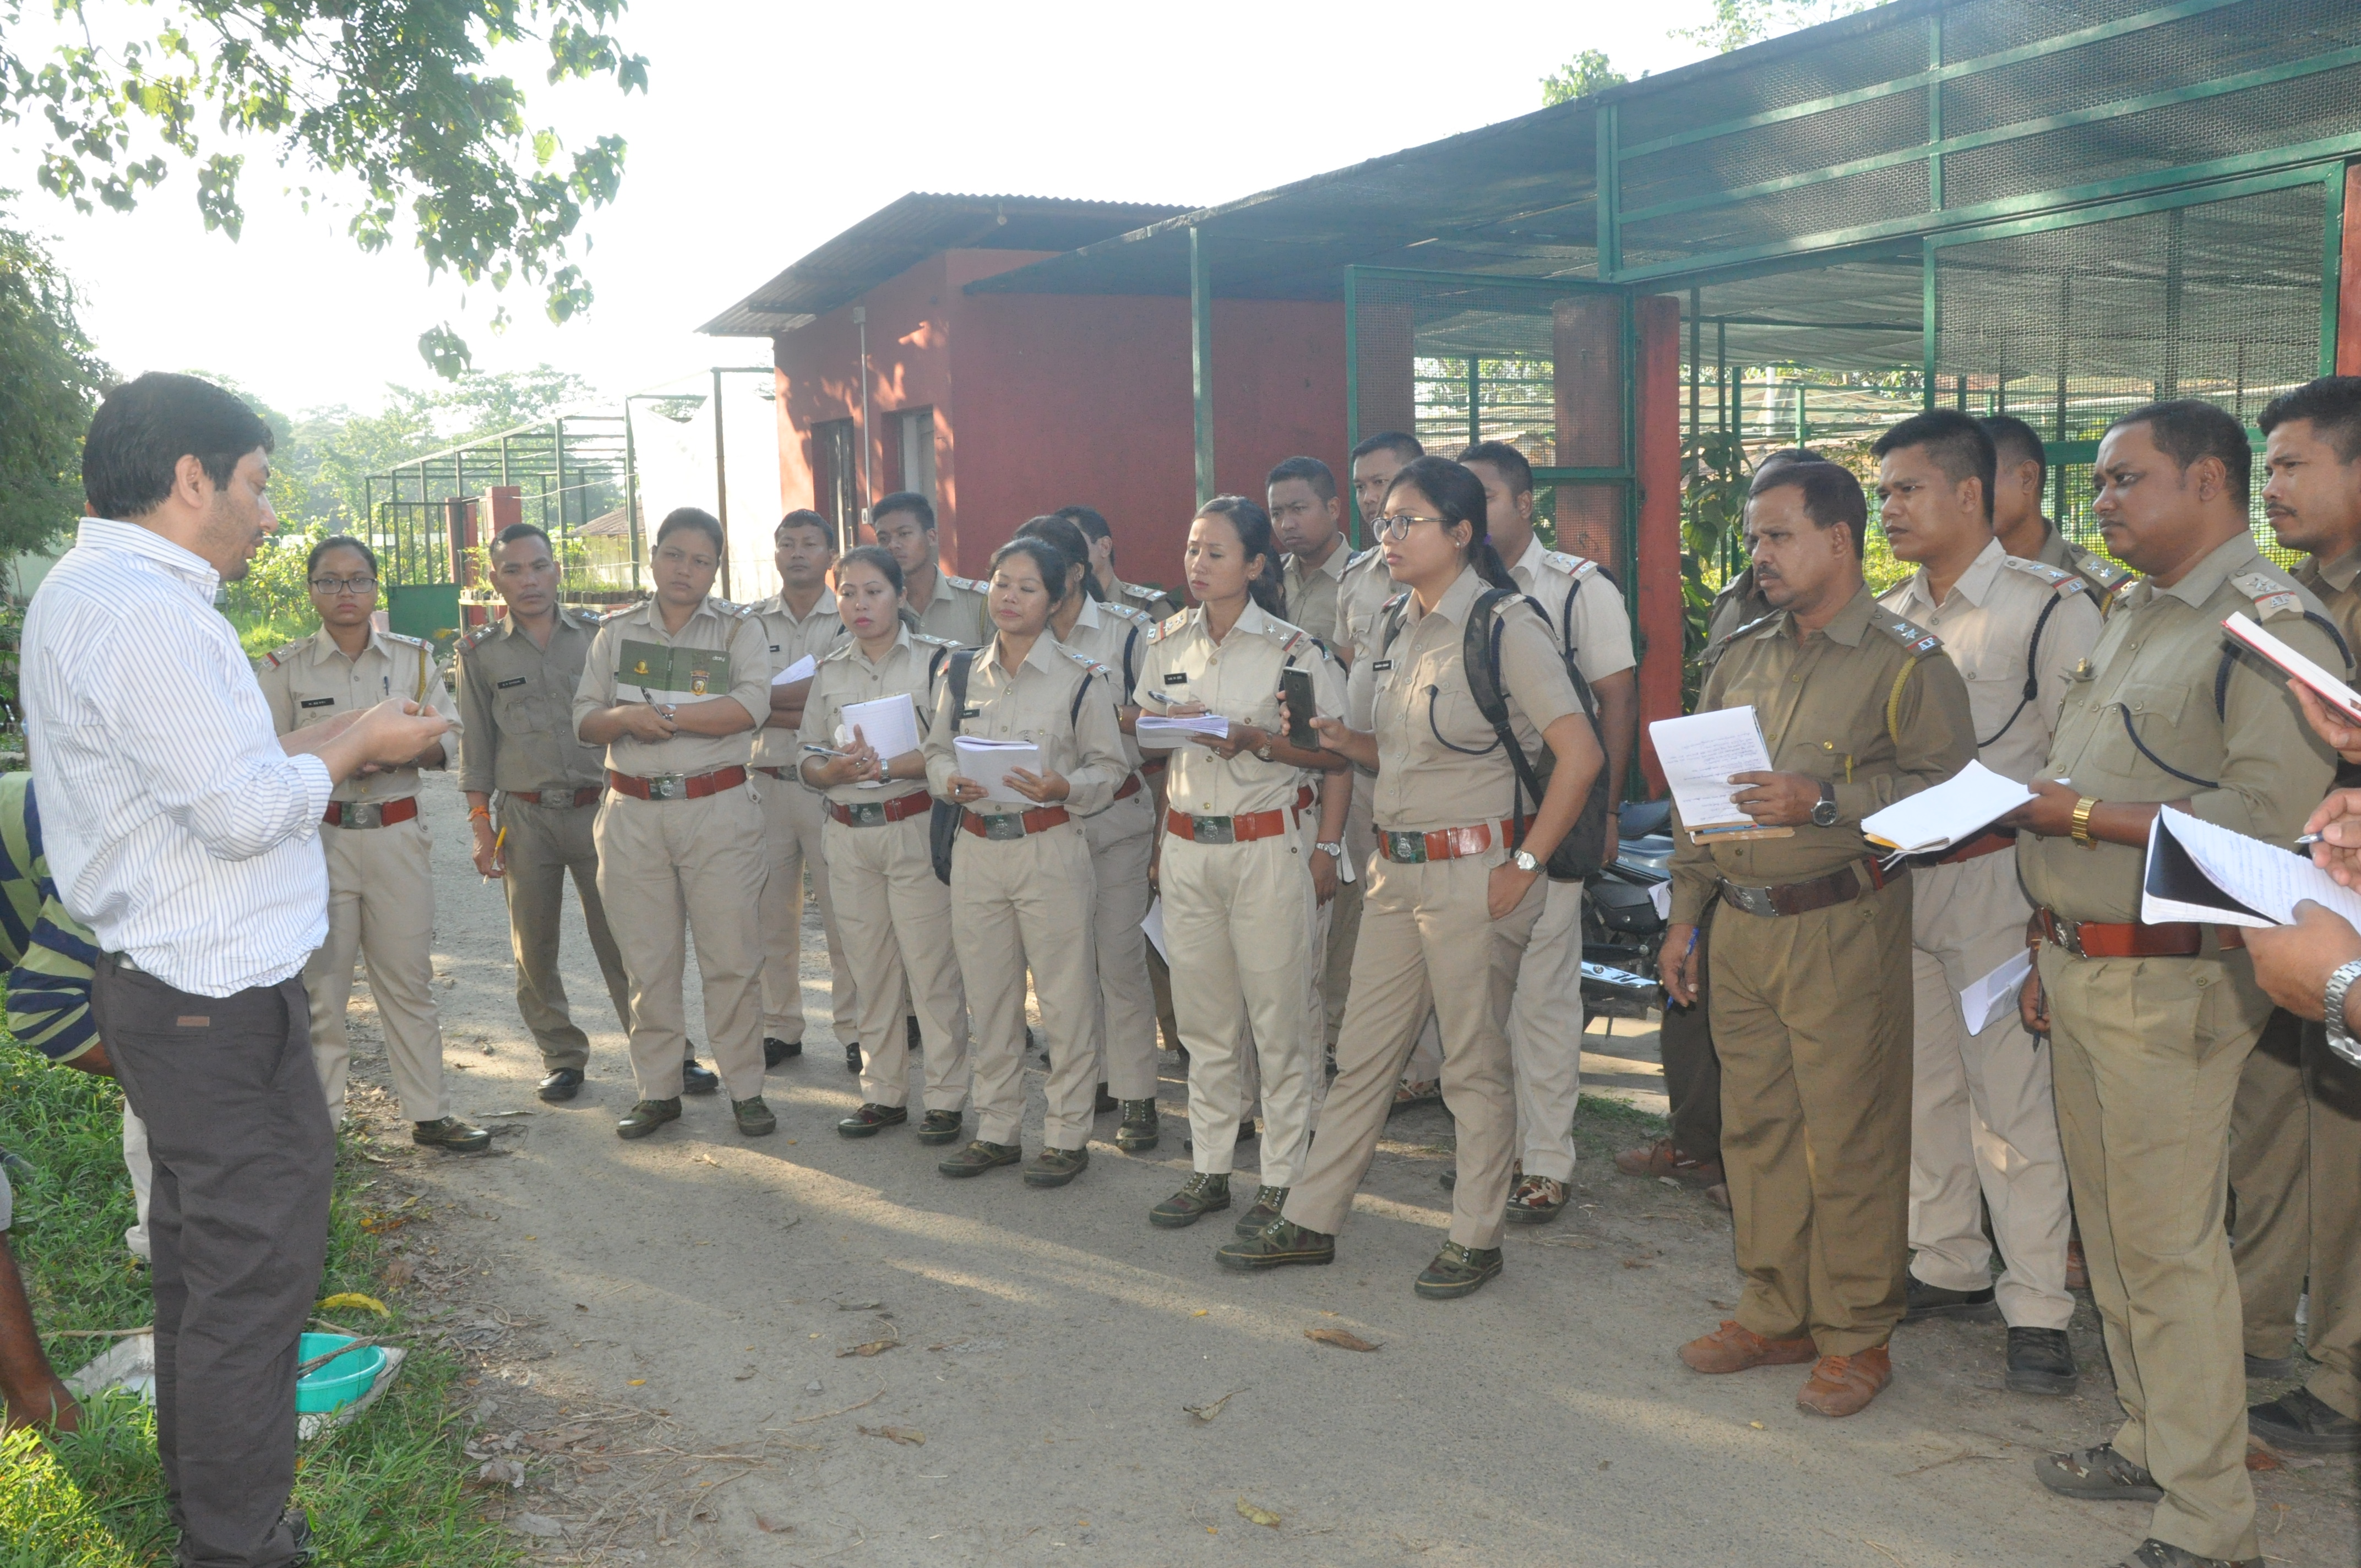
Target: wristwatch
pixel 1523 861
pixel 2340 1037
pixel 1263 752
pixel 1824 815
pixel 1334 851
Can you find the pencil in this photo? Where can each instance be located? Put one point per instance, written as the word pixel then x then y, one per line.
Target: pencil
pixel 498 840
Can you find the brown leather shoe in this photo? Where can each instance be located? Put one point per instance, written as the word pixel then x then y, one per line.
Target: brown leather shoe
pixel 1718 1195
pixel 1733 1347
pixel 1843 1385
pixel 2077 1268
pixel 1661 1159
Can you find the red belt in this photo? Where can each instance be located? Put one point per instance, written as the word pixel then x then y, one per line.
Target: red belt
pixel 1131 786
pixel 1242 830
pixel 2123 940
pixel 1039 820
pixel 675 787
pixel 1442 844
pixel 1986 843
pixel 877 813
pixel 1155 764
pixel 774 773
pixel 369 812
pixel 543 796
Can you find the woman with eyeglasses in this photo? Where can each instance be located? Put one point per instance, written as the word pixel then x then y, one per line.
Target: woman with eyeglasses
pixel 1245 861
pixel 1454 889
pixel 1022 892
pixel 380 881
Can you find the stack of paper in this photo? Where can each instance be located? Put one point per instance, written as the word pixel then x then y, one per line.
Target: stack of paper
pixel 2332 691
pixel 890 725
pixel 1699 753
pixel 1952 812
pixel 989 763
pixel 2215 876
pixel 1158 731
pixel 803 669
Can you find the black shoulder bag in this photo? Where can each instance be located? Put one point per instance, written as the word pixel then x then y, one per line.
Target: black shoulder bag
pixel 1580 853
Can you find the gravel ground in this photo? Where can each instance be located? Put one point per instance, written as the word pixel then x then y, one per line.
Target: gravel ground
pixel 701 1348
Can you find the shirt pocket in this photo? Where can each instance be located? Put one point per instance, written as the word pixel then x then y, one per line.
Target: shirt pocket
pixel 2152 712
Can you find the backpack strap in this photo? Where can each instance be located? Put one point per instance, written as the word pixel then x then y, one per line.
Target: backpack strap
pixel 2032 670
pixel 961 660
pixel 1480 661
pixel 1130 667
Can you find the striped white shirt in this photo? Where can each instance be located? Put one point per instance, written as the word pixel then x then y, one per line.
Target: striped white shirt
pixel 177 827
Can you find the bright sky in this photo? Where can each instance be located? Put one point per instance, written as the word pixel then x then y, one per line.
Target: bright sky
pixel 769 128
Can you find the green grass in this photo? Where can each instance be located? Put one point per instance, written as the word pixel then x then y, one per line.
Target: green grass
pixel 387 1491
pixel 259 634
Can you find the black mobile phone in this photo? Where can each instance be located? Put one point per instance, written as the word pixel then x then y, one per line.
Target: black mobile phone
pixel 1295 685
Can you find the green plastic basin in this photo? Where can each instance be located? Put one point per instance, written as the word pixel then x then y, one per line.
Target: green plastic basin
pixel 341 1381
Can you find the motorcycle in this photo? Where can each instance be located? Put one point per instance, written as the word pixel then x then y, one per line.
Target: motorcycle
pixel 1625 909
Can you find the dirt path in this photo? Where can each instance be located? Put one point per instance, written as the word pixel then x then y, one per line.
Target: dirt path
pixel 660 1329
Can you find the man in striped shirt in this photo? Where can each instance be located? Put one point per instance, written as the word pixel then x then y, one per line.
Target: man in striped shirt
pixel 185 834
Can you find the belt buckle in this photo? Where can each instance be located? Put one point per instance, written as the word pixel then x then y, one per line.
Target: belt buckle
pixel 1407 848
pixel 558 799
pixel 2069 934
pixel 362 813
pixel 1005 826
pixel 868 814
pixel 666 786
pixel 1752 900
pixel 1213 830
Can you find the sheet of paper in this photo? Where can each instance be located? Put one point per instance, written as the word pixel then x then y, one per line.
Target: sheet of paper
pixel 890 724
pixel 988 762
pixel 1698 754
pixel 1157 732
pixel 1984 999
pixel 2223 877
pixel 1952 812
pixel 1152 928
pixel 1661 895
pixel 2333 692
pixel 802 669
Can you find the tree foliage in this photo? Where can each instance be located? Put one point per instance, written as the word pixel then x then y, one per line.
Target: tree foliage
pixel 1738 23
pixel 1583 74
pixel 49 381
pixel 388 101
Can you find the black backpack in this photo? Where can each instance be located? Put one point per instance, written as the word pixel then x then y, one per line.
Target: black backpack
pixel 943 826
pixel 1582 850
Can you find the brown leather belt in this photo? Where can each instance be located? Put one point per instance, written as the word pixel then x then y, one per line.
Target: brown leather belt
pixel 878 813
pixel 355 815
pixel 1014 825
pixel 1241 830
pixel 1986 843
pixel 675 787
pixel 774 773
pixel 1154 766
pixel 1839 886
pixel 1131 786
pixel 2130 939
pixel 1442 844
pixel 558 799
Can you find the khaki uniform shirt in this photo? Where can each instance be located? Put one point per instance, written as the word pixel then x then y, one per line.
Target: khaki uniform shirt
pixel 1987 627
pixel 1312 591
pixel 1739 604
pixel 517 698
pixel 1238 678
pixel 1415 690
pixel 1153 603
pixel 914 665
pixel 2262 768
pixel 1034 704
pixel 1869 704
pixel 789 640
pixel 2334 584
pixel 2104 575
pixel 960 610
pixel 311 680
pixel 1584 608
pixel 1116 636
pixel 718 651
pixel 1361 594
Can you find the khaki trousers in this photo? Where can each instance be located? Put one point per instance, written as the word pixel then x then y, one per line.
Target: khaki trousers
pixel 1238 922
pixel 1692 1070
pixel 543 847
pixel 792 820
pixel 1545 1034
pixel 1122 839
pixel 1427 943
pixel 2148 1052
pixel 2295 1148
pixel 894 918
pixel 1019 903
pixel 1984 1123
pixel 381 910
pixel 665 867
pixel 1345 910
pixel 1811 1019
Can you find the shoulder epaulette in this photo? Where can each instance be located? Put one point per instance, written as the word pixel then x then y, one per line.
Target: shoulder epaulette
pixel 2056 577
pixel 1169 627
pixel 1395 602
pixel 1747 629
pixel 843 651
pixel 1572 566
pixel 1086 662
pixel 481 633
pixel 402 637
pixel 728 607
pixel 1360 558
pixel 2090 563
pixel 970 584
pixel 1916 640
pixel 2272 595
pixel 1284 634
pixel 931 637
pixel 271 661
pixel 1127 612
pixel 1144 595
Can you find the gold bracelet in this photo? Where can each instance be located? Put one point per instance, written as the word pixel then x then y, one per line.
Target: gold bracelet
pixel 2081 835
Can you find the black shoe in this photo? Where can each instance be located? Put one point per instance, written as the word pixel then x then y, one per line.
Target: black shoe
pixel 852 1056
pixel 910 1033
pixel 1268 1202
pixel 870 1120
pixel 775 1051
pixel 695 1080
pixel 1449 1179
pixel 1140 1131
pixel 755 1118
pixel 1104 1103
pixel 452 1134
pixel 2274 1368
pixel 2040 1361
pixel 1457 1271
pixel 980 1156
pixel 2304 1422
pixel 2155 1553
pixel 1921 1302
pixel 563 1084
pixel 2097 1476
pixel 1055 1168
pixel 299 1533
pixel 939 1128
pixel 647 1116
pixel 1200 1195
pixel 1276 1245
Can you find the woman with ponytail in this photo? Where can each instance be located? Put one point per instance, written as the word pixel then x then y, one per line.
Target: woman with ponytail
pixel 1241 865
pixel 1452 896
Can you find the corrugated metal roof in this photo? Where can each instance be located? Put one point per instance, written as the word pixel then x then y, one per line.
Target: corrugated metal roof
pixel 904 233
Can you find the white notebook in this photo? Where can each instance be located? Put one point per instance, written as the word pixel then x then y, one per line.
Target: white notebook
pixel 2215 876
pixel 2330 690
pixel 890 725
pixel 989 762
pixel 1698 754
pixel 1952 812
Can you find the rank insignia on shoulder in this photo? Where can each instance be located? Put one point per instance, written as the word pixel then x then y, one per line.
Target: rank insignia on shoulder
pixel 2272 598
pixel 1916 640
pixel 1572 566
pixel 970 584
pixel 479 633
pixel 2093 565
pixel 273 660
pixel 1360 558
pixel 1086 662
pixel 1170 626
pixel 926 636
pixel 401 637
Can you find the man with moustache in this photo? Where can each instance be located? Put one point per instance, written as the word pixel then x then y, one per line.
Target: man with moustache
pixel 2018 519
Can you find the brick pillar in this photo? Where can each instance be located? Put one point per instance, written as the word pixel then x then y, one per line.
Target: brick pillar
pixel 2349 282
pixel 1661 614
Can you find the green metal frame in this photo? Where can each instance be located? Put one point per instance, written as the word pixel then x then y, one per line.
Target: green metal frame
pixel 1200 361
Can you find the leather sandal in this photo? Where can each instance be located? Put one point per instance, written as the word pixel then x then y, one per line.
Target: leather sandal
pixel 1202 1194
pixel 1457 1271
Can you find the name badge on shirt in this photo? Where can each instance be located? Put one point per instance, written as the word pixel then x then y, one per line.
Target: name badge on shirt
pixel 514 681
pixel 971 713
pixel 319 702
pixel 1382 665
pixel 1177 678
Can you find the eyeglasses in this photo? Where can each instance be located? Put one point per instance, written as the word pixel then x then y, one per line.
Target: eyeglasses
pixel 1396 525
pixel 360 586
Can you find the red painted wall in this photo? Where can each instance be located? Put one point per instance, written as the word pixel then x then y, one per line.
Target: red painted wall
pixel 1661 621
pixel 2348 280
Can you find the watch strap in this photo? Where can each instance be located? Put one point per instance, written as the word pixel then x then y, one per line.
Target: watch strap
pixel 2340 1037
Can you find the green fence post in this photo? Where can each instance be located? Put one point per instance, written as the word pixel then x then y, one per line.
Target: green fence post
pixel 1201 361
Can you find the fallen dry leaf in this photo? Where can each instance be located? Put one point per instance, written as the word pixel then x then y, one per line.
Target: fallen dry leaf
pixel 858 1306
pixel 742 1377
pixel 874 1347
pixel 550 1442
pixel 703 1158
pixel 499 1472
pixel 910 1437
pixel 355 1298
pixel 1207 1412
pixel 772 1527
pixel 594 1467
pixel 399 1273
pixel 1254 1515
pixel 2261 1459
pixel 1342 1339
pixel 1638 1263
